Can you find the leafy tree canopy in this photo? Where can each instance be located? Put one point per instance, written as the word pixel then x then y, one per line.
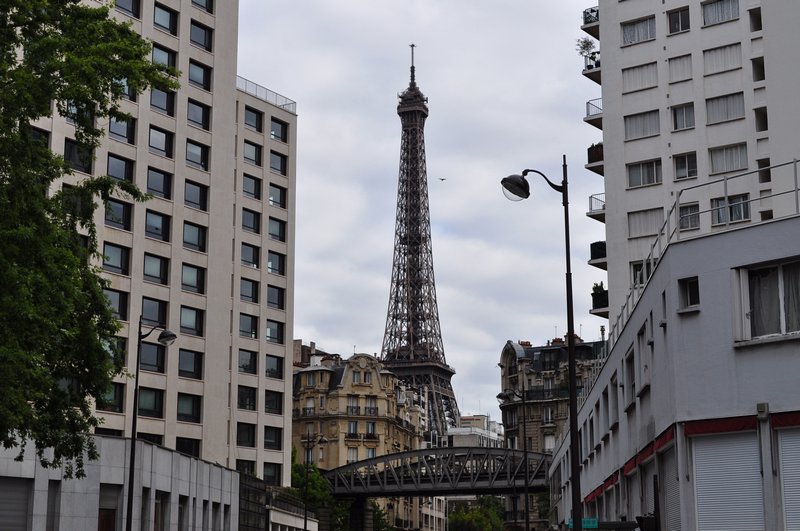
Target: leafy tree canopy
pixel 56 329
pixel 485 515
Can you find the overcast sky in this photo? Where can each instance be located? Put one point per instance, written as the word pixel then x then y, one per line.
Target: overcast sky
pixel 505 93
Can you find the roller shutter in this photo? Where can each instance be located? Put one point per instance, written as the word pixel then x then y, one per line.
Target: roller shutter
pixel 14 500
pixel 670 485
pixel 790 477
pixel 647 488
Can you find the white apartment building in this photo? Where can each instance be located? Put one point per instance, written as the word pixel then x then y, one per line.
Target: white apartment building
pixel 693 419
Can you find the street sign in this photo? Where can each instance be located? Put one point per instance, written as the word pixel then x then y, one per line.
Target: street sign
pixel 588 523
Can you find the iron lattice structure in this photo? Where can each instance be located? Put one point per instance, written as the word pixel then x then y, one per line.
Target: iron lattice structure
pixel 412 342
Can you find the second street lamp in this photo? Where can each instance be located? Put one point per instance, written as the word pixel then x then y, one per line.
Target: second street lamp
pixel 309 443
pixel 516 188
pixel 505 396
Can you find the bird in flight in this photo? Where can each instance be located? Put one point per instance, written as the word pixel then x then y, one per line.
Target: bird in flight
pixel 442 178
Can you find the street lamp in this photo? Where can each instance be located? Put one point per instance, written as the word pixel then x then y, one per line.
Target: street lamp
pixel 516 188
pixel 505 396
pixel 308 443
pixel 166 338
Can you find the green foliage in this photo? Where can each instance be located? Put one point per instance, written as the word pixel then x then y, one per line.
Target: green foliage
pixel 317 491
pixel 380 519
pixel 55 324
pixel 485 515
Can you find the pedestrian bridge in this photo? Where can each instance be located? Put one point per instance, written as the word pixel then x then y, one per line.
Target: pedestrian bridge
pixel 442 471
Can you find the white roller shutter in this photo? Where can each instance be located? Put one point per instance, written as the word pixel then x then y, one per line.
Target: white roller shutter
pixel 14 493
pixel 727 477
pixel 790 477
pixel 647 488
pixel 670 486
pixel 634 494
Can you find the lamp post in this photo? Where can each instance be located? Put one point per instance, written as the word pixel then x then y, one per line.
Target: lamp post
pixel 516 188
pixel 506 395
pixel 308 443
pixel 166 338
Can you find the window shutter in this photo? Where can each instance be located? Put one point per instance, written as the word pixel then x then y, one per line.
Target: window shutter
pixel 639 77
pixel 680 68
pixel 789 443
pixel 722 58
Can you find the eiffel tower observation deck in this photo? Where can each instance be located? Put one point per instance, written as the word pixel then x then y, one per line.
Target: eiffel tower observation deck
pixel 412 343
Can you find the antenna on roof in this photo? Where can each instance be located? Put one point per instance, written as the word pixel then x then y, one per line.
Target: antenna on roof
pixel 412 46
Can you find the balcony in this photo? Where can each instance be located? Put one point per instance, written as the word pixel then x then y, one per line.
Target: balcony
pixel 594 159
pixel 599 302
pixel 594 113
pixel 370 436
pixel 597 207
pixel 591 67
pixel 352 436
pixel 353 410
pixel 597 255
pixel 373 411
pixel 591 21
pixel 307 412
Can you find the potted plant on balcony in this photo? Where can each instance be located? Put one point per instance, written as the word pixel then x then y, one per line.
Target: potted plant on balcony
pixel 585 47
pixel 599 296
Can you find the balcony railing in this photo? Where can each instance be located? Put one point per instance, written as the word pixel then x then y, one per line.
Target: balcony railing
pixel 370 410
pixel 351 435
pixel 594 153
pixel 265 94
pixel 597 250
pixel 370 436
pixel 307 412
pixel 591 15
pixel 591 61
pixel 597 202
pixel 594 107
pixel 353 410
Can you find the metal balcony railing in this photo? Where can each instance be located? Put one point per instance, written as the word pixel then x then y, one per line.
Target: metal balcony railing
pixel 307 412
pixel 597 250
pixel 370 410
pixel 591 15
pixel 591 61
pixel 594 107
pixel 353 410
pixel 597 202
pixel 265 94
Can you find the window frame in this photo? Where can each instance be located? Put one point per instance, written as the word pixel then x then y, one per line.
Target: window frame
pixel 122 266
pixel 251 221
pixel 276 263
pixel 196 358
pixel 122 130
pixel 118 302
pixel 745 310
pixel 276 297
pixel 736 209
pixel 689 167
pixel 170 55
pixel 165 191
pixel 274 372
pixel 654 178
pixel 134 10
pixel 245 435
pixel 205 5
pixel 197 155
pixel 199 286
pixel 703 6
pixel 649 20
pixel 253 190
pixel 168 106
pixel 195 413
pixel 682 115
pixel 251 359
pixel 256 252
pixel 682 17
pixel 273 402
pixel 278 195
pixel 162 233
pixel 247 398
pixel 198 244
pixel 202 82
pixel 123 222
pixel 277 229
pixel 278 163
pixel 161 310
pixel 153 357
pixel 193 107
pixel 168 142
pixel 78 158
pixel 273 438
pixel 195 195
pixel 279 133
pixel 248 325
pixel 253 119
pixel 689 220
pixel 275 332
pixel 171 25
pixel 158 403
pixel 199 317
pixel 127 167
pixel 251 292
pixel 207 41
pixel 256 157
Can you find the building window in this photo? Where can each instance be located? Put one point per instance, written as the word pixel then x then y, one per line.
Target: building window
pixel 772 299
pixel 154 312
pixel 272 474
pixel 124 130
pixel 246 398
pixel 276 263
pixel 678 20
pixel 152 358
pixel 251 221
pixel 279 130
pixel 156 269
pixel 689 216
pixel 276 297
pixel 151 402
pixel 356 377
pixel 162 101
pixel 189 407
pixel 370 453
pixel 645 222
pixel 311 381
pixel 119 168
pixel 273 438
pixel 277 229
pixel 195 195
pixel 114 400
pixel 639 30
pixel 642 125
pixel 725 108
pixel 187 446
pixel 253 119
pixel 248 290
pixel 273 402
pixel 118 302
pixel 277 195
pixel 157 225
pixel 252 153
pixel 682 116
pixel 197 155
pixel 644 173
pixel 720 11
pixel 190 364
pixel 277 162
pixel 194 237
pixel 78 157
pixel 352 428
pixel 352 454
pixel 274 331
pixel 161 142
pixel 199 75
pixel 130 7
pixel 246 467
pixel 251 186
pixel 250 255
pixel 193 278
pixel 164 56
pixel 248 361
pixel 191 321
pixel 685 166
pixel 248 326
pixel 689 292
pixel 245 434
pixel 207 5
pixel 735 208
pixel 159 183
pixel 198 114
pixel 273 367
pixel 680 68
pixel 201 35
pixel 118 214
pixel 728 158
pixel 639 77
pixel 722 59
pixel 165 19
pixel 116 258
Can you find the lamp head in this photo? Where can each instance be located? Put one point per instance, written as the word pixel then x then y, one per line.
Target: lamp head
pixel 516 187
pixel 167 337
pixel 504 396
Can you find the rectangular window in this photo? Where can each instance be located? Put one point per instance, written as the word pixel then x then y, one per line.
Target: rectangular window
pixel 274 331
pixel 246 398
pixel 199 75
pixel 161 142
pixel 248 361
pixel 197 155
pixel 251 186
pixel 162 101
pixel 272 474
pixel 772 299
pixel 253 119
pixel 352 428
pixel 193 278
pixel 689 216
pixel 195 195
pixel 642 125
pixel 79 158
pixel 678 20
pixel 164 56
pixel 251 221
pixel 187 446
pixel 159 183
pixel 166 19
pixel 124 130
pixel 128 92
pixel 156 269
pixel 274 367
pixel 276 297
pixel 682 116
pixel 250 255
pixel 277 162
pixel 273 402
pixel 114 400
pixel 720 11
pixel 252 153
pixel 191 321
pixel 116 258
pixel 156 225
pixel 277 195
pixel 118 214
pixel 129 7
pixel 201 35
pixel 273 438
pixel 119 168
pixel 276 263
pixel 277 229
pixel 645 222
pixel 248 326
pixel 728 158
pixel 279 130
pixel 246 467
pixel 735 208
pixel 199 114
pixel 722 59
pixel 153 357
pixel 248 290
pixel 680 68
pixel 151 402
pixel 644 173
pixel 245 434
pixel 154 312
pixel 639 30
pixel 725 108
pixel 190 364
pixel 207 5
pixel 639 77
pixel 189 407
pixel 118 302
pixel 194 237
pixel 685 166
pixel 689 292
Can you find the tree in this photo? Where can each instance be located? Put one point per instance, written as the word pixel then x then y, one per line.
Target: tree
pixel 56 328
pixel 485 515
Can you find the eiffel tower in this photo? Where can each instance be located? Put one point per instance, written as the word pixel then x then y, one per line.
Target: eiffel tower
pixel 412 343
